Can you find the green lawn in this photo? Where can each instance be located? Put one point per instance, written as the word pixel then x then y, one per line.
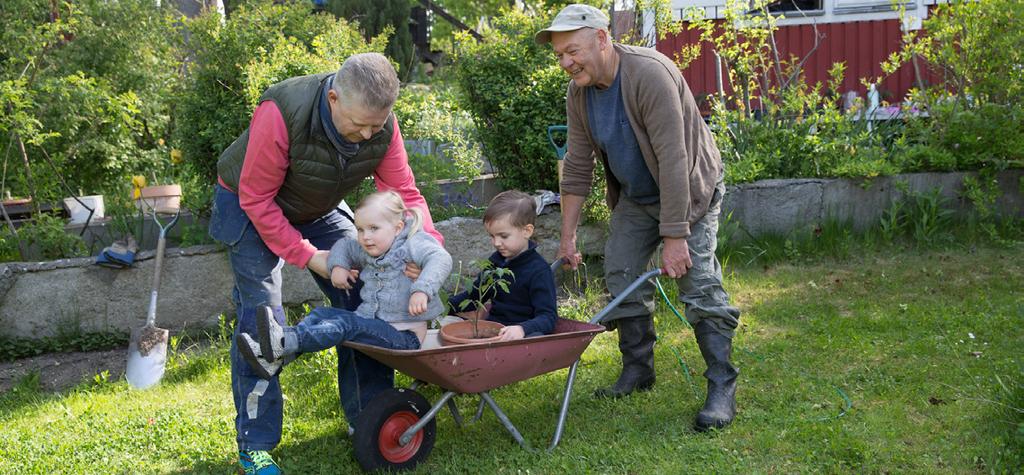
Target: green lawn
pixel 925 346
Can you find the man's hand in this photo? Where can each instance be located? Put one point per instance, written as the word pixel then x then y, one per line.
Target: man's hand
pixel 343 278
pixel 412 270
pixel 567 250
pixel 417 303
pixel 571 205
pixel 318 263
pixel 675 257
pixel 514 332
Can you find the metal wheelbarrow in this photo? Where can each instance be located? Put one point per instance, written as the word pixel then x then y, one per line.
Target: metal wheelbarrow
pixel 396 431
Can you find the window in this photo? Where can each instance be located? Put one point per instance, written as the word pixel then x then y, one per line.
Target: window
pixel 795 6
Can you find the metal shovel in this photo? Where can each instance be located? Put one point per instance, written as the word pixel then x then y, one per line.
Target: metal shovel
pixel 147 350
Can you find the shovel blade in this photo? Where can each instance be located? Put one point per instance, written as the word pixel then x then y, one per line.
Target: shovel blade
pixel 147 357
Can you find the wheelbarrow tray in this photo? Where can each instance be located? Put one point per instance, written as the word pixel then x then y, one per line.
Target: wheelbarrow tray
pixel 478 367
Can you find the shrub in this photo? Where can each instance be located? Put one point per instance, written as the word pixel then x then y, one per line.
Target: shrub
pixel 86 91
pixel 515 90
pixel 262 43
pixel 433 113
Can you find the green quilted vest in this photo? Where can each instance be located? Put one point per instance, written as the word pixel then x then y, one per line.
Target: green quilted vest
pixel 318 177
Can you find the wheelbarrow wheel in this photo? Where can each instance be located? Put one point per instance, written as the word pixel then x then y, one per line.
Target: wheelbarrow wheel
pixel 383 422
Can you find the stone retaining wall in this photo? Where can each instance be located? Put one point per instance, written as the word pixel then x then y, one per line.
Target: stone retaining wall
pixel 46 298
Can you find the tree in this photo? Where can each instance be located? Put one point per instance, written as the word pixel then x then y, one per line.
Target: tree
pixel 374 16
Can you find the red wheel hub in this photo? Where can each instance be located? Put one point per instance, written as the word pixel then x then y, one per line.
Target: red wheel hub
pixel 392 430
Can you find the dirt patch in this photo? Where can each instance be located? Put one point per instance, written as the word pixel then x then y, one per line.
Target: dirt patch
pixel 60 371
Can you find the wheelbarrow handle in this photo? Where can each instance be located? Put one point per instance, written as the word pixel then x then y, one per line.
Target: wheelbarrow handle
pixel 625 293
pixel 564 410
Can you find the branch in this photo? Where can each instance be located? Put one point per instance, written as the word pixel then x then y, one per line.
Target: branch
pixel 451 19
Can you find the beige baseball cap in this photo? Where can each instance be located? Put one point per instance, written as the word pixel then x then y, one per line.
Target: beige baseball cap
pixel 571 18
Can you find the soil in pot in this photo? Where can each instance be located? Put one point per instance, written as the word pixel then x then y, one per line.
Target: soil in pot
pixel 461 333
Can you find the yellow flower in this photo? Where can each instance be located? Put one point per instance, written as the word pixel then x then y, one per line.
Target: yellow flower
pixel 161 142
pixel 176 156
pixel 138 182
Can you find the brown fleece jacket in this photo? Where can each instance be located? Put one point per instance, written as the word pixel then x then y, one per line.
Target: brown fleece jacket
pixel 676 144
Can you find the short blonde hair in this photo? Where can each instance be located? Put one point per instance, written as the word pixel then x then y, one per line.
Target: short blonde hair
pixel 392 204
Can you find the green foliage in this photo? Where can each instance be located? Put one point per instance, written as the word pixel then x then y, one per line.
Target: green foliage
pixel 86 87
pixel 382 18
pixel 515 90
pixel 15 348
pixel 485 285
pixel 433 113
pixel 975 46
pixel 261 43
pixel 44 238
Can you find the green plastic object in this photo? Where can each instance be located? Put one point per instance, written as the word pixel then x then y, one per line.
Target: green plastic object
pixel 559 149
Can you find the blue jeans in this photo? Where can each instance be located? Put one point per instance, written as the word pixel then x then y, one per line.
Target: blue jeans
pixel 325 327
pixel 257 272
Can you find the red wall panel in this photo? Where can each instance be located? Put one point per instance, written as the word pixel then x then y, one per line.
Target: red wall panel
pixel 863 46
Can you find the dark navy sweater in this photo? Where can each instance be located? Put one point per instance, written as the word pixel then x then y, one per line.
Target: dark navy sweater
pixel 530 301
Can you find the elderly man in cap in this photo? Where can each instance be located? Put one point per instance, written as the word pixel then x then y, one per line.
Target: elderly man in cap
pixel 630 108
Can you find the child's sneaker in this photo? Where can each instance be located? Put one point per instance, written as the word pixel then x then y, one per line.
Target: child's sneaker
pixel 257 462
pixel 271 334
pixel 250 350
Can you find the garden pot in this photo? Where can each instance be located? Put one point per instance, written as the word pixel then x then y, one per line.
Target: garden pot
pixel 164 199
pixel 461 333
pixel 79 213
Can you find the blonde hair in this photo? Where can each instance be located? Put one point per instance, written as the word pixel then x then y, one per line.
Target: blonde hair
pixel 391 202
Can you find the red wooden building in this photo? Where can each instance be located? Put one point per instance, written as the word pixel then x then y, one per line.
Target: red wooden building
pixel 861 33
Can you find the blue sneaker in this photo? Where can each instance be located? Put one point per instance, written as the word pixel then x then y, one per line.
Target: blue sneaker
pixel 258 462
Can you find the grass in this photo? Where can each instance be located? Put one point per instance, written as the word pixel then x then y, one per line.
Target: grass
pixel 925 346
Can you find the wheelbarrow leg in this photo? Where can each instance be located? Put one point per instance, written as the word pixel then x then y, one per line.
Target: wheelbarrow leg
pixel 412 430
pixel 479 410
pixel 456 415
pixel 504 419
pixel 565 406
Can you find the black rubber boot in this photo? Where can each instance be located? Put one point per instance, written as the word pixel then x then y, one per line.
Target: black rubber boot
pixel 636 343
pixel 720 406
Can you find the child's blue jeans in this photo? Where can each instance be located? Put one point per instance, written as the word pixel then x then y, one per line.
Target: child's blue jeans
pixel 326 327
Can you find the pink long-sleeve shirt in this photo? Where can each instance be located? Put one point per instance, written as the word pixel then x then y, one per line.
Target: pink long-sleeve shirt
pixel 263 173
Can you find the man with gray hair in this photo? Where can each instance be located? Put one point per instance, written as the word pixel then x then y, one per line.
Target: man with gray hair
pixel 279 198
pixel 630 108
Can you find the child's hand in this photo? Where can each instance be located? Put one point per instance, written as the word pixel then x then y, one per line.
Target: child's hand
pixel 417 303
pixel 514 332
pixel 343 278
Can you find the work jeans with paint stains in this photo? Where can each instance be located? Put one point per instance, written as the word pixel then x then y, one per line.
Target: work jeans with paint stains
pixel 257 272
pixel 633 238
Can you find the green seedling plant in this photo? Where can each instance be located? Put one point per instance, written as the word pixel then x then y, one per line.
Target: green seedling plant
pixel 485 287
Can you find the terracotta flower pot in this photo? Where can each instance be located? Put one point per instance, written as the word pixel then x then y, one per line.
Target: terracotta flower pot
pixel 165 199
pixel 461 333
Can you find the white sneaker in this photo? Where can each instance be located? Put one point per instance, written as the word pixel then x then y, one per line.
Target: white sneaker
pixel 271 334
pixel 250 350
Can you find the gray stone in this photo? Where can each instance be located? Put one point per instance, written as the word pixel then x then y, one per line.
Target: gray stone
pixel 39 299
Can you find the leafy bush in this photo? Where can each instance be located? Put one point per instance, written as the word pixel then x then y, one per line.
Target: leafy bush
pixel 231 64
pixel 515 90
pixel 43 238
pixel 85 91
pixel 433 113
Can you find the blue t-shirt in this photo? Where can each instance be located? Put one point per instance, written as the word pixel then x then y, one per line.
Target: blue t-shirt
pixel 614 135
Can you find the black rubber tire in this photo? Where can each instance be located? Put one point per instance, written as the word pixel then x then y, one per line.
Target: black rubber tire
pixel 375 442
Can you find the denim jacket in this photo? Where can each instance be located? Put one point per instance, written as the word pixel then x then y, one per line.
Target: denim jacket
pixel 386 288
